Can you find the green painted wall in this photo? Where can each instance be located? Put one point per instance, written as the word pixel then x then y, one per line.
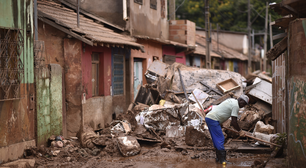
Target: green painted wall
pixel 18 14
pixel 49 102
pixel 43 105
pixel 56 95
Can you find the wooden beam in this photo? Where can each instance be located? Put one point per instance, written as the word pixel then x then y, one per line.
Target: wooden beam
pixel 51 23
pixel 278 49
pixel 278 36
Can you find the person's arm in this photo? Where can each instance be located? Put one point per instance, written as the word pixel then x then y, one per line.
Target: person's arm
pixel 234 123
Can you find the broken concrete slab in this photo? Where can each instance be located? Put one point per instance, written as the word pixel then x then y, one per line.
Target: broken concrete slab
pixel 128 145
pixel 193 76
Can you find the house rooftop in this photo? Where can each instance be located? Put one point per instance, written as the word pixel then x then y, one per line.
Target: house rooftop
pixel 89 31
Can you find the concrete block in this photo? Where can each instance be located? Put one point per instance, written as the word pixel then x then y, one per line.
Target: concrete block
pixel 15 151
pixel 22 163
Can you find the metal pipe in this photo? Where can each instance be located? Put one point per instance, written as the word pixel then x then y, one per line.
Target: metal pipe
pixel 78 14
pixel 35 20
pixel 265 38
pixel 125 17
pixel 249 39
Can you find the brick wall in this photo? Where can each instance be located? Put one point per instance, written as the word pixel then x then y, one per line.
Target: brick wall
pixel 182 31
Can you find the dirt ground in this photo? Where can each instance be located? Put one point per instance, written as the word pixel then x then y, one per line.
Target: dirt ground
pixel 152 155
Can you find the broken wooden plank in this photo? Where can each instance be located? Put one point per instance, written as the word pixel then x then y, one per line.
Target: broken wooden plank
pixel 278 49
pixel 278 36
pixel 148 140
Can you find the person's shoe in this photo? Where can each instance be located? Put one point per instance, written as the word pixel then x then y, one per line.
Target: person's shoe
pixel 217 156
pixel 222 157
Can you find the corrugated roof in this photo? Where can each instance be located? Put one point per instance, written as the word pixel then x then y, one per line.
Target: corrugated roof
pixel 174 43
pixel 224 51
pixel 89 32
pixel 201 50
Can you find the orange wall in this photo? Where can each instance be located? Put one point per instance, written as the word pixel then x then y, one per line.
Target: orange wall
pixel 151 49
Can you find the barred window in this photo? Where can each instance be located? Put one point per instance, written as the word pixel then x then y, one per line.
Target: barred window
pixel 11 66
pixel 118 74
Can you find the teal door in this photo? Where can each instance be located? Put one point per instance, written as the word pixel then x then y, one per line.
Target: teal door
pixel 137 75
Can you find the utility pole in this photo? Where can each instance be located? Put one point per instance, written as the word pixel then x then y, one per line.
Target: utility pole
pixel 207 27
pixel 253 40
pixel 271 35
pixel 172 10
pixel 249 36
pixel 266 36
pixel 217 36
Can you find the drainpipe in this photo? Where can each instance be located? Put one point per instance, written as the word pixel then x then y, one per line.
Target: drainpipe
pixel 125 17
pixel 78 14
pixel 35 20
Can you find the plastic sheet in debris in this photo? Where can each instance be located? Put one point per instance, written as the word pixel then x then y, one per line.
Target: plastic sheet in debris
pixel 175 131
pixel 121 127
pixel 159 117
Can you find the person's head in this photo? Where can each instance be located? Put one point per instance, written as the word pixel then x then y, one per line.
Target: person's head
pixel 243 100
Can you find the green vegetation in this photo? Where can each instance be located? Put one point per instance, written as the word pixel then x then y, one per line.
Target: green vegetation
pixel 231 15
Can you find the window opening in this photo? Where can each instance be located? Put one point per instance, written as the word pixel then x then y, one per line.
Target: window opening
pixel 138 1
pixel 153 4
pixel 95 73
pixel 11 66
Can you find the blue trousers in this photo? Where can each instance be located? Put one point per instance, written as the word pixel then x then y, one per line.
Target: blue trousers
pixel 216 133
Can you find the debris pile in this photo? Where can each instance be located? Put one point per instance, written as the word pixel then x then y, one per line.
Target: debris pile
pixel 170 111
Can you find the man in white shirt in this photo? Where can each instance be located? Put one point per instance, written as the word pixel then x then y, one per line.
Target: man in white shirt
pixel 218 115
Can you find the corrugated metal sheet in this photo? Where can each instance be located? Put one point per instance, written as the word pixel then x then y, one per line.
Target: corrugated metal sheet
pixel 89 30
pixel 279 93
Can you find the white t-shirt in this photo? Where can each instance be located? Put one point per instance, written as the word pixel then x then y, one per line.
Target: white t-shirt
pixel 224 111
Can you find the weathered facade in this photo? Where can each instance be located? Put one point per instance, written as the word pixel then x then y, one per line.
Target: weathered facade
pixel 17 94
pixel 296 87
pixel 289 78
pixel 94 65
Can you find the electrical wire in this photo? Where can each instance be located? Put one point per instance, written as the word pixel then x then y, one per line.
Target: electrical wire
pixel 180 5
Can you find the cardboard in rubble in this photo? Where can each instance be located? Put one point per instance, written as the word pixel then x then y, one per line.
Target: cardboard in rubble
pixel 227 85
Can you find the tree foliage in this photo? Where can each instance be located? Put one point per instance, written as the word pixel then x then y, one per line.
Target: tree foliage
pixel 231 15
